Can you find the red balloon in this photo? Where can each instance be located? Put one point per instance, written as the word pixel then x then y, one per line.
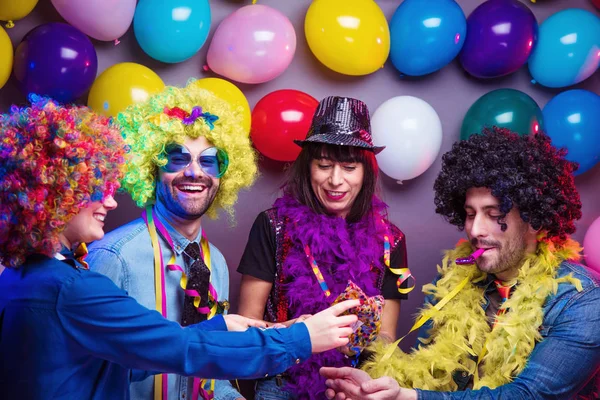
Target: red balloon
pixel 278 119
pixel 596 3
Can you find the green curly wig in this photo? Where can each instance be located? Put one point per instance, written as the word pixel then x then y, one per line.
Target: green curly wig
pixel 147 130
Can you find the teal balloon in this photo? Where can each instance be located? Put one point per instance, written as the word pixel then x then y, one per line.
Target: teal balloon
pixel 572 122
pixel 504 108
pixel 171 31
pixel 568 48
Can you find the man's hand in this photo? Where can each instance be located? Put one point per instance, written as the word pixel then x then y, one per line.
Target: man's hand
pixel 353 384
pixel 237 323
pixel 328 330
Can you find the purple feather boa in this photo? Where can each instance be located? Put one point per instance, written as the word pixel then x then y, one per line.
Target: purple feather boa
pixel 344 251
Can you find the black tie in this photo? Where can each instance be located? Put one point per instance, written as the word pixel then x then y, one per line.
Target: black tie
pixel 198 279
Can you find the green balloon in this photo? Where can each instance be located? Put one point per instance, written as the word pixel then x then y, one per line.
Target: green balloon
pixel 505 108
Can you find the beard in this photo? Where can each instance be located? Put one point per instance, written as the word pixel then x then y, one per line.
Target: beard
pixel 509 255
pixel 186 208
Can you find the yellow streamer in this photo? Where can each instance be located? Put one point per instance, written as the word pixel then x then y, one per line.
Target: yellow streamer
pixel 426 317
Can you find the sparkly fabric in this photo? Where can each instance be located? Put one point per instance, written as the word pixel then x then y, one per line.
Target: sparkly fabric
pixel 369 313
pixel 198 279
pixel 344 252
pixel 342 121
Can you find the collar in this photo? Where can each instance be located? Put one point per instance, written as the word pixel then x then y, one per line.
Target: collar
pixel 74 258
pixel 180 242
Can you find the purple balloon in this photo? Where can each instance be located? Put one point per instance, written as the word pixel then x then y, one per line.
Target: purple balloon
pixel 500 37
pixel 55 60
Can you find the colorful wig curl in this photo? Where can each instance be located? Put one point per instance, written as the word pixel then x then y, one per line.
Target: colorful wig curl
pixel 54 161
pixel 147 129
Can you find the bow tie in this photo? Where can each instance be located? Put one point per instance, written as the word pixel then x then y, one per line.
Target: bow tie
pixel 78 256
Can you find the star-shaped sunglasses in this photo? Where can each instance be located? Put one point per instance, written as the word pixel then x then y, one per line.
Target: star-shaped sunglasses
pixel 213 160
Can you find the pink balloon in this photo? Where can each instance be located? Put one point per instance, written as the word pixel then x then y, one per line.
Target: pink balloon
pixel 591 245
pixel 254 44
pixel 104 20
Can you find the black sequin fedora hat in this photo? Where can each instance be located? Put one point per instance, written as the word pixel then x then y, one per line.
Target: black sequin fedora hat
pixel 341 121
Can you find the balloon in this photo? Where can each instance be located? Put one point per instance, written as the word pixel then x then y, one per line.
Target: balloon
pixel 105 20
pixel 568 50
pixel 12 10
pixel 55 60
pixel 171 31
pixel 505 108
pixel 412 133
pixel 571 119
pixel 278 119
pixel 348 36
pixel 591 246
pixel 254 44
pixel 230 93
pixel 596 3
pixel 6 57
pixel 501 35
pixel 426 35
pixel 122 85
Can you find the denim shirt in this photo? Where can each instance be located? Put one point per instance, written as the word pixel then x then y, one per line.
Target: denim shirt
pixel 566 363
pixel 125 255
pixel 70 333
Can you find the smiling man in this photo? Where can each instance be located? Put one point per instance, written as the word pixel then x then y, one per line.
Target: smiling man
pixel 191 156
pixel 521 321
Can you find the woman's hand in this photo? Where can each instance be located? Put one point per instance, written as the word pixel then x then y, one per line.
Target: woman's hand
pixel 290 322
pixel 237 323
pixel 328 330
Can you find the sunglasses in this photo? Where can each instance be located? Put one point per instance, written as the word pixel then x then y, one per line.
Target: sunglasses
pixel 213 161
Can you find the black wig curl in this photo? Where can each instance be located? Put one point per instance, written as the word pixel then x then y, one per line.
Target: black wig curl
pixel 522 171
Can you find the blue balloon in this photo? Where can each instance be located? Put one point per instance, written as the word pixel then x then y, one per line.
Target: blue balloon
pixel 426 35
pixel 568 48
pixel 171 31
pixel 572 121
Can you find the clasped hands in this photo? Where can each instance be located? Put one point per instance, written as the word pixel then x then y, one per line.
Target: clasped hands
pixel 353 384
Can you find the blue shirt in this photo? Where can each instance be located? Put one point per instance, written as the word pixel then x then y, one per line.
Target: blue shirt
pixel 125 255
pixel 70 333
pixel 566 363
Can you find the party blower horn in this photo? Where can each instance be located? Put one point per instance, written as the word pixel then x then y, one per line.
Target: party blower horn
pixel 470 259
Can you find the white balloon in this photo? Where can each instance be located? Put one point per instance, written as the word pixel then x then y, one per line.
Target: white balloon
pixel 412 133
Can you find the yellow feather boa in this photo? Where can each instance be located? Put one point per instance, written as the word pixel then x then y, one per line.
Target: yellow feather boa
pixel 460 329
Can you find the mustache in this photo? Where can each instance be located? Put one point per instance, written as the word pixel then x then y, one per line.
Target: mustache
pixel 484 243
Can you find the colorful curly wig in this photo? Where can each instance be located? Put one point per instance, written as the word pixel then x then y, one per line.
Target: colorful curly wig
pixel 54 161
pixel 522 171
pixel 148 129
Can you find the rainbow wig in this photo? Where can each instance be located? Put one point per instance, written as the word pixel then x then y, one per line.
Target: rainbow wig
pixel 54 161
pixel 149 126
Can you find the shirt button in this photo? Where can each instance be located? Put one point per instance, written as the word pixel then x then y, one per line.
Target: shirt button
pixel 297 361
pixel 266 375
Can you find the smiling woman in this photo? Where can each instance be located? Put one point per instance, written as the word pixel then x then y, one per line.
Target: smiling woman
pixel 56 161
pixel 327 229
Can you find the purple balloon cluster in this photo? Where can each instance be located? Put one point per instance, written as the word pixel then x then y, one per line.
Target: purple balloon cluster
pixel 55 60
pixel 501 35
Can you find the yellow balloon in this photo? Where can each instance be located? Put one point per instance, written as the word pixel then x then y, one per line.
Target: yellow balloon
pixel 6 57
pixel 230 93
pixel 122 85
pixel 12 10
pixel 351 37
